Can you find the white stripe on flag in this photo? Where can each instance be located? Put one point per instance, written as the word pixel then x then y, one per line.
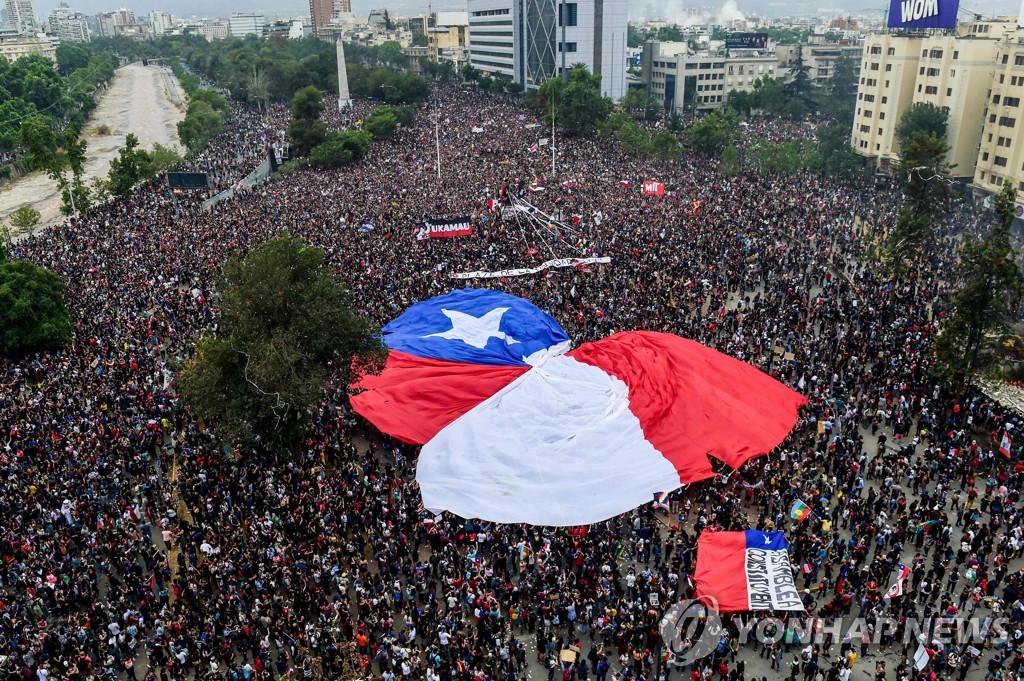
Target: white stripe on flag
pixel 921 657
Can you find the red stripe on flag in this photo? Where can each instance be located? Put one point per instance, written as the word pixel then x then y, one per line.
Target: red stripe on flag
pixel 415 397
pixel 693 401
pixel 721 570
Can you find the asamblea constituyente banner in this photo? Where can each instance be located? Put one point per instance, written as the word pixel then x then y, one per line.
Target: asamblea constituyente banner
pixel 914 14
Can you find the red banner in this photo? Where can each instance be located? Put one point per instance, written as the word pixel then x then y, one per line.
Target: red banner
pixel 446 229
pixel 652 188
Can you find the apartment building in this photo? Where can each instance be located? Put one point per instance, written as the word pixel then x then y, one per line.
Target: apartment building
pixel 701 82
pixel 953 72
pixel 1001 150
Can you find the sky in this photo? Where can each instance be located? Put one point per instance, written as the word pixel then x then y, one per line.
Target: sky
pixel 645 8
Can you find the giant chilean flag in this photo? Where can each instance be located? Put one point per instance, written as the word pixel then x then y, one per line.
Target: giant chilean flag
pixel 516 428
pixel 740 571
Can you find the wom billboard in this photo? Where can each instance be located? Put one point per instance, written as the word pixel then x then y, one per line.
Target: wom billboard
pixel 923 13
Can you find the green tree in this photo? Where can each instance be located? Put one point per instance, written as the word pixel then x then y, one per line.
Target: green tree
pixel 40 141
pixel 921 118
pixel 633 139
pixel 576 106
pixel 390 53
pixel 162 159
pixel 287 327
pixel 729 163
pixel 983 309
pixel 744 102
pixel 380 124
pixel 712 134
pixel 640 104
pixel 306 136
pixel 199 126
pixel 259 87
pixel 131 166
pixel 32 311
pixel 24 219
pixel 21 221
pixel 635 37
pixel 771 96
pixel 665 146
pixel 341 148
pixel 927 190
pixel 840 99
pixel 307 104
pixel 834 155
pixel 305 130
pixel 71 57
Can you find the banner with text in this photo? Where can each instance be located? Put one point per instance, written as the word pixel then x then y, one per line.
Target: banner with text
pixel 550 264
pixel 744 571
pixel 915 14
pixel 445 229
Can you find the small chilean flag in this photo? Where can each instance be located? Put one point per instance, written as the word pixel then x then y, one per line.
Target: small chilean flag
pixel 897 588
pixel 799 511
pixel 1004 445
pixel 625 183
pixel 740 571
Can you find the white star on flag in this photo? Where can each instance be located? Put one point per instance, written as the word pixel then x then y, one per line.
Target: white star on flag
pixel 475 331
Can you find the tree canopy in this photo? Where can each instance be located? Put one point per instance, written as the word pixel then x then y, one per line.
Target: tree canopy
pixel 921 119
pixel 32 311
pixel 984 306
pixel 576 104
pixel 287 326
pixel 341 148
pixel 712 134
pixel 306 130
pixel 60 95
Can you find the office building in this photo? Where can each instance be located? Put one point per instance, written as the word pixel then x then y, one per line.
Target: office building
pixel 160 22
pixel 13 47
pixel 212 29
pixel 67 25
pixel 702 82
pixel 124 17
pixel 952 72
pixel 20 15
pixel 320 12
pixel 448 37
pixel 1001 151
pixel 241 25
pixel 533 40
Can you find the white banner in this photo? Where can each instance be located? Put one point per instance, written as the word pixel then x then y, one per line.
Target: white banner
pixel 550 264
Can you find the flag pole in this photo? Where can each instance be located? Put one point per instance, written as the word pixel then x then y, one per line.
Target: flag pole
pixel 552 134
pixel 437 139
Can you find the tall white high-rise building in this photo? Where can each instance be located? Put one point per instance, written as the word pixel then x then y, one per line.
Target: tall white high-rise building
pixel 242 24
pixel 20 15
pixel 533 40
pixel 160 22
pixel 68 25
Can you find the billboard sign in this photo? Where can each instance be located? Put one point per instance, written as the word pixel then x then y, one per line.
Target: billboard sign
pixel 187 181
pixel 923 13
pixel 746 41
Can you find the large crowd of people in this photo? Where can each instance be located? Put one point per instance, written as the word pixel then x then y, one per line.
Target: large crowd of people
pixel 135 544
